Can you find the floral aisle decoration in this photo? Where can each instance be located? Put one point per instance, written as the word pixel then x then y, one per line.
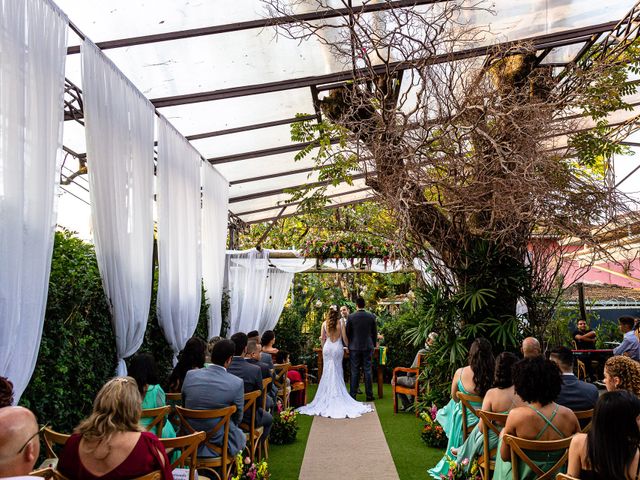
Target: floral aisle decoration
pixel 432 433
pixel 462 471
pixel 349 247
pixel 248 470
pixel 285 427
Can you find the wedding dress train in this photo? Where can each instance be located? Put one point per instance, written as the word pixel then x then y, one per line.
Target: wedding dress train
pixel 332 399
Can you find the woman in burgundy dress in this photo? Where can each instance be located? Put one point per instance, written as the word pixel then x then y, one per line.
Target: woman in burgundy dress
pixel 110 444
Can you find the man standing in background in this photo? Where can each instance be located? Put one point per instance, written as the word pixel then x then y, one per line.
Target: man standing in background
pixel 362 333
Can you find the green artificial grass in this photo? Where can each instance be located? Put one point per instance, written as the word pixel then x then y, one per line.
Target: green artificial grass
pixel 285 461
pixel 402 432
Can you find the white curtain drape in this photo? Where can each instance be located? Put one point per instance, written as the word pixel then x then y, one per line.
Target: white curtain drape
pixel 293 265
pixel 33 44
pixel 119 124
pixel 247 282
pixel 215 211
pixel 278 286
pixel 380 266
pixel 179 258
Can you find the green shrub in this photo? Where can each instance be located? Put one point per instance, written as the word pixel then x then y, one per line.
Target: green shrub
pixel 77 353
pixel 400 353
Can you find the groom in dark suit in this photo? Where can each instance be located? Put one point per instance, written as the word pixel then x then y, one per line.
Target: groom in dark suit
pixel 362 333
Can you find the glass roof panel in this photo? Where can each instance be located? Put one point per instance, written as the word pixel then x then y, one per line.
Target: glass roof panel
pixel 244 141
pixel 266 165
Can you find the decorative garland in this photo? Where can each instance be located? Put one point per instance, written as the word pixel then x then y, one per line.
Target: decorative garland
pixel 348 247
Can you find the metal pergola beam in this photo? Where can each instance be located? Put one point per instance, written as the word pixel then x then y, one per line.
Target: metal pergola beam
pixel 247 128
pixel 328 207
pixel 251 24
pixel 540 42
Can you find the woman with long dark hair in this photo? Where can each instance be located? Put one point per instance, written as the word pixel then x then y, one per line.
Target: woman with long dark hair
pixel 474 379
pixel 192 356
pixel 610 451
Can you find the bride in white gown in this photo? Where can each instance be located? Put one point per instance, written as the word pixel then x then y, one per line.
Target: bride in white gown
pixel 332 399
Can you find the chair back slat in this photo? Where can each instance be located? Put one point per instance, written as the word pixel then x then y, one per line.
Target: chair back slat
pixel 157 475
pixel 280 381
pixel 564 476
pixel 489 422
pixel 224 414
pixel 157 416
pixel 188 446
pixel 519 445
pixel 582 415
pixel 466 400
pixel 53 439
pixel 266 382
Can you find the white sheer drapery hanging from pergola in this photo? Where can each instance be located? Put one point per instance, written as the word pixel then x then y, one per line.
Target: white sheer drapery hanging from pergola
pixel 33 44
pixel 119 124
pixel 179 256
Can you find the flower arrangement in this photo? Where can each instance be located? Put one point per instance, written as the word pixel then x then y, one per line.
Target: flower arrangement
pixel 347 247
pixel 247 470
pixel 462 471
pixel 285 427
pixel 432 433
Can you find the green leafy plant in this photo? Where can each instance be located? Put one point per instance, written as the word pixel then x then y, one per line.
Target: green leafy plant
pixel 285 427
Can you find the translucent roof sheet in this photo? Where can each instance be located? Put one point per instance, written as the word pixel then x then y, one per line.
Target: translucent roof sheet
pixel 247 59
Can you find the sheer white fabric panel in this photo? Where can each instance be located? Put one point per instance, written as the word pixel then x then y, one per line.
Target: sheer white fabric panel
pixel 293 265
pixel 380 266
pixel 247 280
pixel 119 130
pixel 215 210
pixel 33 44
pixel 278 286
pixel 179 258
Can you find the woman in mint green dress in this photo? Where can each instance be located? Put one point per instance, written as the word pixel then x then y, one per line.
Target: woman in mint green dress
pixel 143 369
pixel 475 379
pixel 538 382
pixel 501 399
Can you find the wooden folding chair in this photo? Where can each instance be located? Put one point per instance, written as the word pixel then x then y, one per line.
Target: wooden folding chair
pixel 253 433
pixel 53 441
pixel 48 473
pixel 564 476
pixel 583 416
pixel 266 387
pixel 188 446
pixel 158 417
pixel 173 400
pixel 518 454
pixel 157 475
pixel 301 386
pixel 401 389
pixel 224 462
pixel 492 422
pixel 280 381
pixel 466 400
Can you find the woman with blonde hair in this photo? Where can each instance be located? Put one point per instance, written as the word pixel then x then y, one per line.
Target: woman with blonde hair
pixel 332 399
pixel 622 373
pixel 110 443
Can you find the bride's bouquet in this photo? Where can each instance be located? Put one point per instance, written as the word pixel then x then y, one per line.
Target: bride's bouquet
pixel 285 427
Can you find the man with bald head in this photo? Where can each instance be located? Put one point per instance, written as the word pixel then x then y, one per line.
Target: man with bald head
pixel 531 348
pixel 19 442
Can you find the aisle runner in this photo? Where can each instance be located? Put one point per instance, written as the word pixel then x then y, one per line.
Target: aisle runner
pixel 353 448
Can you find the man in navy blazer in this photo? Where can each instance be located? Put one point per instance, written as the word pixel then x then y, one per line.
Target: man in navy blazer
pixel 211 388
pixel 574 394
pixel 362 334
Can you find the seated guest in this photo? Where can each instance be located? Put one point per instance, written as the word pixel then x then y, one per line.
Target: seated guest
pixel 110 443
pixel 499 399
pixel 611 448
pixel 253 335
pixel 474 379
pixel 622 373
pixel 19 442
pixel 629 346
pixel 192 356
pixel 296 399
pixel 253 357
pixel 538 382
pixel 531 348
pixel 212 388
pixel 574 394
pixel 144 371
pixel 6 392
pixel 409 380
pixel 584 337
pixel 267 341
pixel 252 378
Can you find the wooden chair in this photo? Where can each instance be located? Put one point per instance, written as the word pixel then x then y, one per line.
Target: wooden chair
pixel 188 446
pixel 174 400
pixel 157 475
pixel 53 441
pixel 583 416
pixel 466 400
pixel 401 389
pixel 158 417
pixel 224 462
pixel 266 386
pixel 253 433
pixel 519 445
pixel 280 381
pixel 492 422
pixel 49 473
pixel 301 386
pixel 564 476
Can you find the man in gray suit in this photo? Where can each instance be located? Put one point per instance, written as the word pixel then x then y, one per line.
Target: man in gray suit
pixel 213 387
pixel 252 378
pixel 574 394
pixel 362 333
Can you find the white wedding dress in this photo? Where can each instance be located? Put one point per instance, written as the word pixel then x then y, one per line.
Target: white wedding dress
pixel 332 399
